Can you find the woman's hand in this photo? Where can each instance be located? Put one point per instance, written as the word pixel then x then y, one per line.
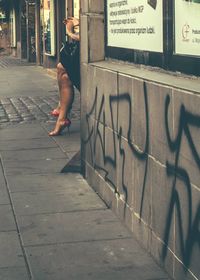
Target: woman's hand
pixel 70 23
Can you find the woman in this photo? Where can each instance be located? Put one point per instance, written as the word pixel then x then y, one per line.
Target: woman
pixel 67 78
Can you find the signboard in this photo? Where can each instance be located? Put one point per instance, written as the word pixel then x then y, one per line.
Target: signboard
pixel 135 24
pixel 187 27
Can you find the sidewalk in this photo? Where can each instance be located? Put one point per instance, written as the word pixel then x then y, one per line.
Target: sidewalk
pixel 53 226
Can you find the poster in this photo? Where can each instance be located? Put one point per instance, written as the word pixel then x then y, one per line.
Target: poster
pixel 135 24
pixel 187 27
pixel 49 27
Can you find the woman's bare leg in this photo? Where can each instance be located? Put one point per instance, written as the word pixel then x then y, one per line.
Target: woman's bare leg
pixel 66 97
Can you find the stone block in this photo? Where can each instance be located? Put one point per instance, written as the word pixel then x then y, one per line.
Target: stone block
pixel 125 174
pixel 162 197
pixel 110 159
pixel 96 38
pixel 96 100
pixel 140 116
pixel 141 231
pixel 84 94
pixel 124 212
pixel 187 209
pixel 142 199
pixel 159 121
pixel 156 247
pixel 94 179
pixel 111 99
pixel 96 6
pixel 99 148
pixel 84 6
pixel 88 141
pixel 187 119
pixel 109 196
pixel 125 106
pixel 84 39
pixel 181 273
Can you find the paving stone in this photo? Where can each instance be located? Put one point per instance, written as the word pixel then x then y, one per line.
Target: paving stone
pixel 77 226
pixel 44 166
pixel 39 154
pixel 43 182
pixel 67 200
pixel 23 131
pixel 99 260
pixel 13 273
pixel 11 253
pixel 7 222
pixel 26 144
pixel 4 199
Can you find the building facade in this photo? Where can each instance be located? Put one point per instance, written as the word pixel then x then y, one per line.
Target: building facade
pixel 140 121
pixel 37 30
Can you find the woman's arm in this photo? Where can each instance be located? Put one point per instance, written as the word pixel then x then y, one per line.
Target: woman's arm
pixel 72 23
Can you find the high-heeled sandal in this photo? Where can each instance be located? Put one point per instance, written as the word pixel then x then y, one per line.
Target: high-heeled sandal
pixel 67 123
pixel 54 113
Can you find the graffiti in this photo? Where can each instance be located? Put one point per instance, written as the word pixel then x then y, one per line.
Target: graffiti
pixel 95 135
pixel 96 120
pixel 192 237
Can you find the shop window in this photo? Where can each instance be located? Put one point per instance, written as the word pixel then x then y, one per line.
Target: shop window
pixel 131 25
pixel 49 26
pixel 13 28
pixel 187 28
pixel 158 33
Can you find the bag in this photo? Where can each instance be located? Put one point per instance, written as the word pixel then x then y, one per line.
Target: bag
pixel 69 54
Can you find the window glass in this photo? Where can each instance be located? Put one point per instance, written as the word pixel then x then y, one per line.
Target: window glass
pixel 49 27
pixel 187 27
pixel 135 24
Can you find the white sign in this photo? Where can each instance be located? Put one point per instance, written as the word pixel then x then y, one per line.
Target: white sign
pixel 187 27
pixel 135 24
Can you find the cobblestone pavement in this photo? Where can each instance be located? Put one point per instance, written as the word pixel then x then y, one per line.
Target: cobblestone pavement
pixel 26 109
pixel 19 94
pixel 7 61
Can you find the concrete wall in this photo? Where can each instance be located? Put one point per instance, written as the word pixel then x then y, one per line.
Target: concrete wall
pixel 140 131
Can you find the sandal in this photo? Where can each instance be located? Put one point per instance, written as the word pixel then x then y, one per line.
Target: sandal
pixel 66 123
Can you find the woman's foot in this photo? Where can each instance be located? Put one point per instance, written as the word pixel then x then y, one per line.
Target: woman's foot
pixel 60 126
pixel 55 112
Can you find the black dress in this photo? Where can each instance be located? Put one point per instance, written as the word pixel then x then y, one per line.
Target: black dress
pixel 70 59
